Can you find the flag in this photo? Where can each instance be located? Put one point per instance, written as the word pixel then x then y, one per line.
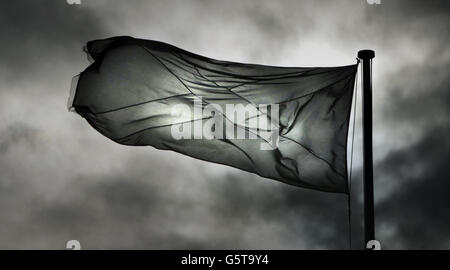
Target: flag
pixel 285 123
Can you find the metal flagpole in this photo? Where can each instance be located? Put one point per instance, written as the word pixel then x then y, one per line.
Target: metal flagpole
pixel 366 57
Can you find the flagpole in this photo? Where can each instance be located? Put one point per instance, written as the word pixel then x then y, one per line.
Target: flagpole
pixel 366 57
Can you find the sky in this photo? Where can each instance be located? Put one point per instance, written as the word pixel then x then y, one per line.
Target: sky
pixel 61 180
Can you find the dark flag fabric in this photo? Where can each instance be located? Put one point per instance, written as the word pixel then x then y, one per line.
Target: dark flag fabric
pixel 285 123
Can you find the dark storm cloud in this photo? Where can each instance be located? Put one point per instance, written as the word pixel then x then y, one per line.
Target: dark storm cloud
pixel 131 212
pixel 424 100
pixel 35 34
pixel 418 210
pixel 416 111
pixel 15 134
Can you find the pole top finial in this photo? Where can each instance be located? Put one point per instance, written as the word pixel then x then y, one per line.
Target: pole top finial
pixel 366 54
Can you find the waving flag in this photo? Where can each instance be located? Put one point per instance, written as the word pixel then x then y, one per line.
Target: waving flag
pixel 142 92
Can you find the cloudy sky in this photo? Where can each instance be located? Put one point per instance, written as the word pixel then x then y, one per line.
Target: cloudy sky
pixel 62 180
